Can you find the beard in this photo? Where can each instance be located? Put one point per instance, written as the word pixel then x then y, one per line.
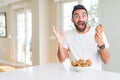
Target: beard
pixel 80 26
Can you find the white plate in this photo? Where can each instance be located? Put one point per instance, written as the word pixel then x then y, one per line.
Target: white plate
pixel 80 69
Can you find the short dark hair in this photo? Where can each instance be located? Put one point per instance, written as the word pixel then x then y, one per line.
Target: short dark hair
pixel 76 7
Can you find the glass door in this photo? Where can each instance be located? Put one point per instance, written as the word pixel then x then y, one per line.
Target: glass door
pixel 24 36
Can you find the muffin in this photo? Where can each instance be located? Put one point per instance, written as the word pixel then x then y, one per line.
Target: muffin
pixel 99 28
pixel 81 63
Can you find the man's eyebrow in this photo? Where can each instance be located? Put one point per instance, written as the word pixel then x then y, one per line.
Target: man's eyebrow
pixel 84 13
pixel 76 13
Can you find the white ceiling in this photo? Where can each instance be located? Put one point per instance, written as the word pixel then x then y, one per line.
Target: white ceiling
pixel 5 2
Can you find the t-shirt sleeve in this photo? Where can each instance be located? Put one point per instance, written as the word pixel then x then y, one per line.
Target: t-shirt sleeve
pixel 65 41
pixel 105 40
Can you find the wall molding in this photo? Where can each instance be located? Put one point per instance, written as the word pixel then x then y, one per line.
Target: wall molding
pixel 19 5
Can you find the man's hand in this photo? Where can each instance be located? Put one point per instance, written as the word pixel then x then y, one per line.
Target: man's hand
pixel 98 35
pixel 58 36
pixel 99 28
pixel 62 52
pixel 104 54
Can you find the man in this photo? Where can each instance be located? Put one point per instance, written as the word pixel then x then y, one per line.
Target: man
pixel 83 42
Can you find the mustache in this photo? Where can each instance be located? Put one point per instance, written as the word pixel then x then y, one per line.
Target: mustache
pixel 81 22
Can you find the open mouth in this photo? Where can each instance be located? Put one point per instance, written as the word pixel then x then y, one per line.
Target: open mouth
pixel 81 25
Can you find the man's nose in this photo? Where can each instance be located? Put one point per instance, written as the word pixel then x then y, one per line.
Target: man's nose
pixel 81 18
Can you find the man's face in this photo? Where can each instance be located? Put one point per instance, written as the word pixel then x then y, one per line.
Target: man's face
pixel 80 19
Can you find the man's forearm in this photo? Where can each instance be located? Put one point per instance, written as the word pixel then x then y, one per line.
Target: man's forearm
pixel 105 56
pixel 61 53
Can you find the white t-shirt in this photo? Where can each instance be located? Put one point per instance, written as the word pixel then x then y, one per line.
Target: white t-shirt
pixel 83 46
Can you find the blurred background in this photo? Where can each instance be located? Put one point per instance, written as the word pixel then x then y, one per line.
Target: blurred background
pixel 26 36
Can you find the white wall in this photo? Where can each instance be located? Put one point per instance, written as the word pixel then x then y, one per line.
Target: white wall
pixel 41 31
pixel 53 41
pixel 110 15
pixel 35 31
pixel 44 29
pixel 5 43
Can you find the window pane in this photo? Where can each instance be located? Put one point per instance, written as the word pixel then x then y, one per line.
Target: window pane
pixel 91 6
pixel 67 13
pixel 24 35
pixel 68 25
pixel 68 8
